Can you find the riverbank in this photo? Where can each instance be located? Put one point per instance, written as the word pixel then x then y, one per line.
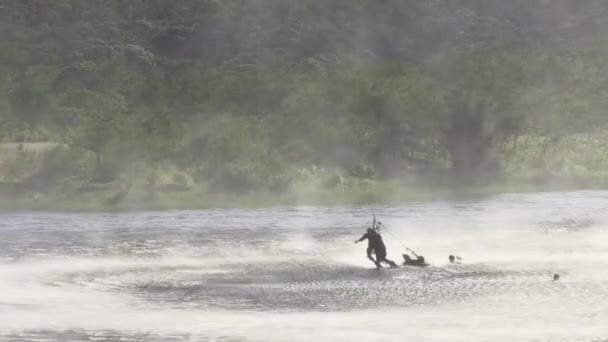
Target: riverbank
pixel 383 192
pixel 67 179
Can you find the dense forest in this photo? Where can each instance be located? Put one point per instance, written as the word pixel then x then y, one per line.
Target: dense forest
pixel 148 97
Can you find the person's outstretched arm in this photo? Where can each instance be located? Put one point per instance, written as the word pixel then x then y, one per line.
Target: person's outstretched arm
pixel 362 238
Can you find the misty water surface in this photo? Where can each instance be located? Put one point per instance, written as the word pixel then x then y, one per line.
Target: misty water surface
pixel 294 274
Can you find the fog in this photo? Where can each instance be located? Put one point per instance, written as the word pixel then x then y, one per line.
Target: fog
pixel 199 170
pixel 155 104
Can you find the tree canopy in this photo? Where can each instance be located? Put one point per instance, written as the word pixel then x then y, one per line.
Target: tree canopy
pixel 244 95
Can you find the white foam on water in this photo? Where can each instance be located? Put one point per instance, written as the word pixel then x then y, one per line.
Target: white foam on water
pixel 86 293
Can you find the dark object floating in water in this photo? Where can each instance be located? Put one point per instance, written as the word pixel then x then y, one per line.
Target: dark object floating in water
pixel 555 277
pixel 454 259
pixel 419 261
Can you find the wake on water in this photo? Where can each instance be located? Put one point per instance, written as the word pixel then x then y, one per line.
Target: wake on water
pixel 293 274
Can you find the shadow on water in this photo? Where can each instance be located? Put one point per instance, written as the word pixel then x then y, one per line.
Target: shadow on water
pixel 307 286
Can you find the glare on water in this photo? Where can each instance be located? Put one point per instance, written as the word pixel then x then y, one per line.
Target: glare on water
pixel 294 274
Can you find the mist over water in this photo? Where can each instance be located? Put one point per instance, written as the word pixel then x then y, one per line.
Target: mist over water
pixel 294 273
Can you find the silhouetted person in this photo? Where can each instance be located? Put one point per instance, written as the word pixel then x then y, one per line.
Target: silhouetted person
pixel 381 254
pixel 376 245
pixel 454 259
pixel 372 238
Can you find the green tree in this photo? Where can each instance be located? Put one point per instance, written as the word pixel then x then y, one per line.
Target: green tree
pixel 99 122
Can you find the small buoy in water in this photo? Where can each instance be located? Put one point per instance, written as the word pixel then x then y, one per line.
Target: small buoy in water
pixel 555 277
pixel 455 259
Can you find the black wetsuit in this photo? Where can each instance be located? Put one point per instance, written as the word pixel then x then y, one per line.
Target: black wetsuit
pixel 376 245
pixel 373 242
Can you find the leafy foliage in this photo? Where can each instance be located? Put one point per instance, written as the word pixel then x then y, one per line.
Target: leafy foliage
pixel 247 95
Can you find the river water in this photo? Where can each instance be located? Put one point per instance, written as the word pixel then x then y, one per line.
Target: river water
pixel 294 274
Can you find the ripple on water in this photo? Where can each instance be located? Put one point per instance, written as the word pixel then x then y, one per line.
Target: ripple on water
pixel 315 286
pixel 301 261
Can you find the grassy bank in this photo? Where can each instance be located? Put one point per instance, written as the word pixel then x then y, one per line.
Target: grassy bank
pixel 64 181
pixel 375 193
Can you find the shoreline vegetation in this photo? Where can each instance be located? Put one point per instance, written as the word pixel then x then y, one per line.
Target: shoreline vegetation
pixel 376 193
pixel 579 160
pixel 130 105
